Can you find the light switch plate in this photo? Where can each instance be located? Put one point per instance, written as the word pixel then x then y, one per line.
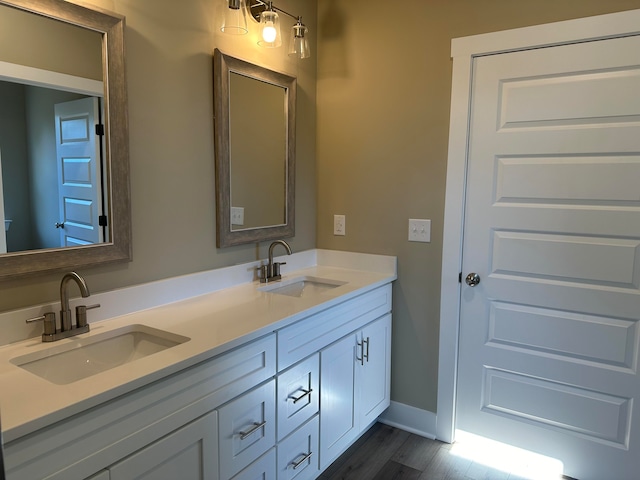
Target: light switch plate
pixel 419 230
pixel 237 215
pixel 339 227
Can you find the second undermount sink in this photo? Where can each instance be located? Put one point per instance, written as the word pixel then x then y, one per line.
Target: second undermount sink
pixel 83 357
pixel 302 286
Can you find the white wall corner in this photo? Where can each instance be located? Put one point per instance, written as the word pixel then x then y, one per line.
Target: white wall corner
pixel 411 419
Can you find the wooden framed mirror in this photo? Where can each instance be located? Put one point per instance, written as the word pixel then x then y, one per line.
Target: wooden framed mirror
pixel 255 132
pixel 72 208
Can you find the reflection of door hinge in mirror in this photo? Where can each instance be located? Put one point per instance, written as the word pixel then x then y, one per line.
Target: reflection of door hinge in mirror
pixel 237 215
pixel 100 130
pixel 102 221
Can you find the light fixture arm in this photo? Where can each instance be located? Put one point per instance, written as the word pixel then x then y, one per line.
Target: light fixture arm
pixel 271 6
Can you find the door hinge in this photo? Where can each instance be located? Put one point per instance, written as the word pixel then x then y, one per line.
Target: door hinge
pixel 102 221
pixel 460 277
pixel 100 129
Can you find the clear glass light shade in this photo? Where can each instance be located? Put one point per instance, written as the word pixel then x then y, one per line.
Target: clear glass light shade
pixel 299 44
pixel 234 20
pixel 270 29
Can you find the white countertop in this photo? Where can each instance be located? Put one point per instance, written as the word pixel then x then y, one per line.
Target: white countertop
pixel 215 322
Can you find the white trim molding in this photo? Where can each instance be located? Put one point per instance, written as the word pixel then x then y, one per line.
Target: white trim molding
pixel 411 419
pixel 11 72
pixel 463 52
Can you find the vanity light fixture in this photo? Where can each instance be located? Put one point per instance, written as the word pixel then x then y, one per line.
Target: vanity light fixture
pixel 270 28
pixel 299 44
pixel 235 20
pixel 266 14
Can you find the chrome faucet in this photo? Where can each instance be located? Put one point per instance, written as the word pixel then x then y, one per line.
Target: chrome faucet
pixel 65 311
pixel 271 271
pixel 67 329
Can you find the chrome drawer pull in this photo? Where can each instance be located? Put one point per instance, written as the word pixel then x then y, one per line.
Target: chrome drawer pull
pixel 301 461
pixel 304 394
pixel 254 427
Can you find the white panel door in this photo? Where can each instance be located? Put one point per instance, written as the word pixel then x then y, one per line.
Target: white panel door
pixel 549 337
pixel 79 172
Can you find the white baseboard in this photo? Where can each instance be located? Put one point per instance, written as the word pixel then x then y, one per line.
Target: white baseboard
pixel 411 419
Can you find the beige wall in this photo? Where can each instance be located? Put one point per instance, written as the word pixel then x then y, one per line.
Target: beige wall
pixel 169 48
pixel 384 87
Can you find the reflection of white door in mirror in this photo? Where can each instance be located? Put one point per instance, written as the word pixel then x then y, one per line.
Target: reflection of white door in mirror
pixel 3 233
pixel 79 172
pixel 31 186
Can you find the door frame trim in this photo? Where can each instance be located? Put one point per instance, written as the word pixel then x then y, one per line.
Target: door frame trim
pixel 464 51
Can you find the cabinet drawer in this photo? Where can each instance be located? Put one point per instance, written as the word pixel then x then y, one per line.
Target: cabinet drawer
pixel 264 468
pixel 312 334
pixel 246 429
pixel 298 395
pixel 298 454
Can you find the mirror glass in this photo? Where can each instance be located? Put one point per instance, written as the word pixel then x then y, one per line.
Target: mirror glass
pixel 255 151
pixel 64 185
pixel 48 174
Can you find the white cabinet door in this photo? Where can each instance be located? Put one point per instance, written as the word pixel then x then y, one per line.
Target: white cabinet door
pixel 354 386
pixel 373 374
pixel 247 429
pixel 190 453
pixel 338 417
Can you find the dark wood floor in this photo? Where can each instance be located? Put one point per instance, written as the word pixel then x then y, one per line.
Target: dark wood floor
pixel 387 453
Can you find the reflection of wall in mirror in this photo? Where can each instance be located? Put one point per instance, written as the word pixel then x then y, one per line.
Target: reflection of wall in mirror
pixel 30 178
pixel 257 151
pixel 49 45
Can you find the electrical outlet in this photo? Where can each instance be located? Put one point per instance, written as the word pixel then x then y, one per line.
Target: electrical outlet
pixel 237 215
pixel 419 230
pixel 339 225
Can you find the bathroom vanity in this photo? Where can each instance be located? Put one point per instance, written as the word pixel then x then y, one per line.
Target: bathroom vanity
pixel 262 381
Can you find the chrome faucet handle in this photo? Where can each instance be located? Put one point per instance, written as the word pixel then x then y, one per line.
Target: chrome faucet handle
pixel 263 273
pixel 49 319
pixel 276 269
pixel 81 314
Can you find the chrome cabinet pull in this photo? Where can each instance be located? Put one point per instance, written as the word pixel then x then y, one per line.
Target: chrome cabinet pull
pixel 256 426
pixel 361 357
pixel 297 464
pixel 304 394
pixel 366 355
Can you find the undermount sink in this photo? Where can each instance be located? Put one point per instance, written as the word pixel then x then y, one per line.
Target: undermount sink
pixel 302 286
pixel 84 357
